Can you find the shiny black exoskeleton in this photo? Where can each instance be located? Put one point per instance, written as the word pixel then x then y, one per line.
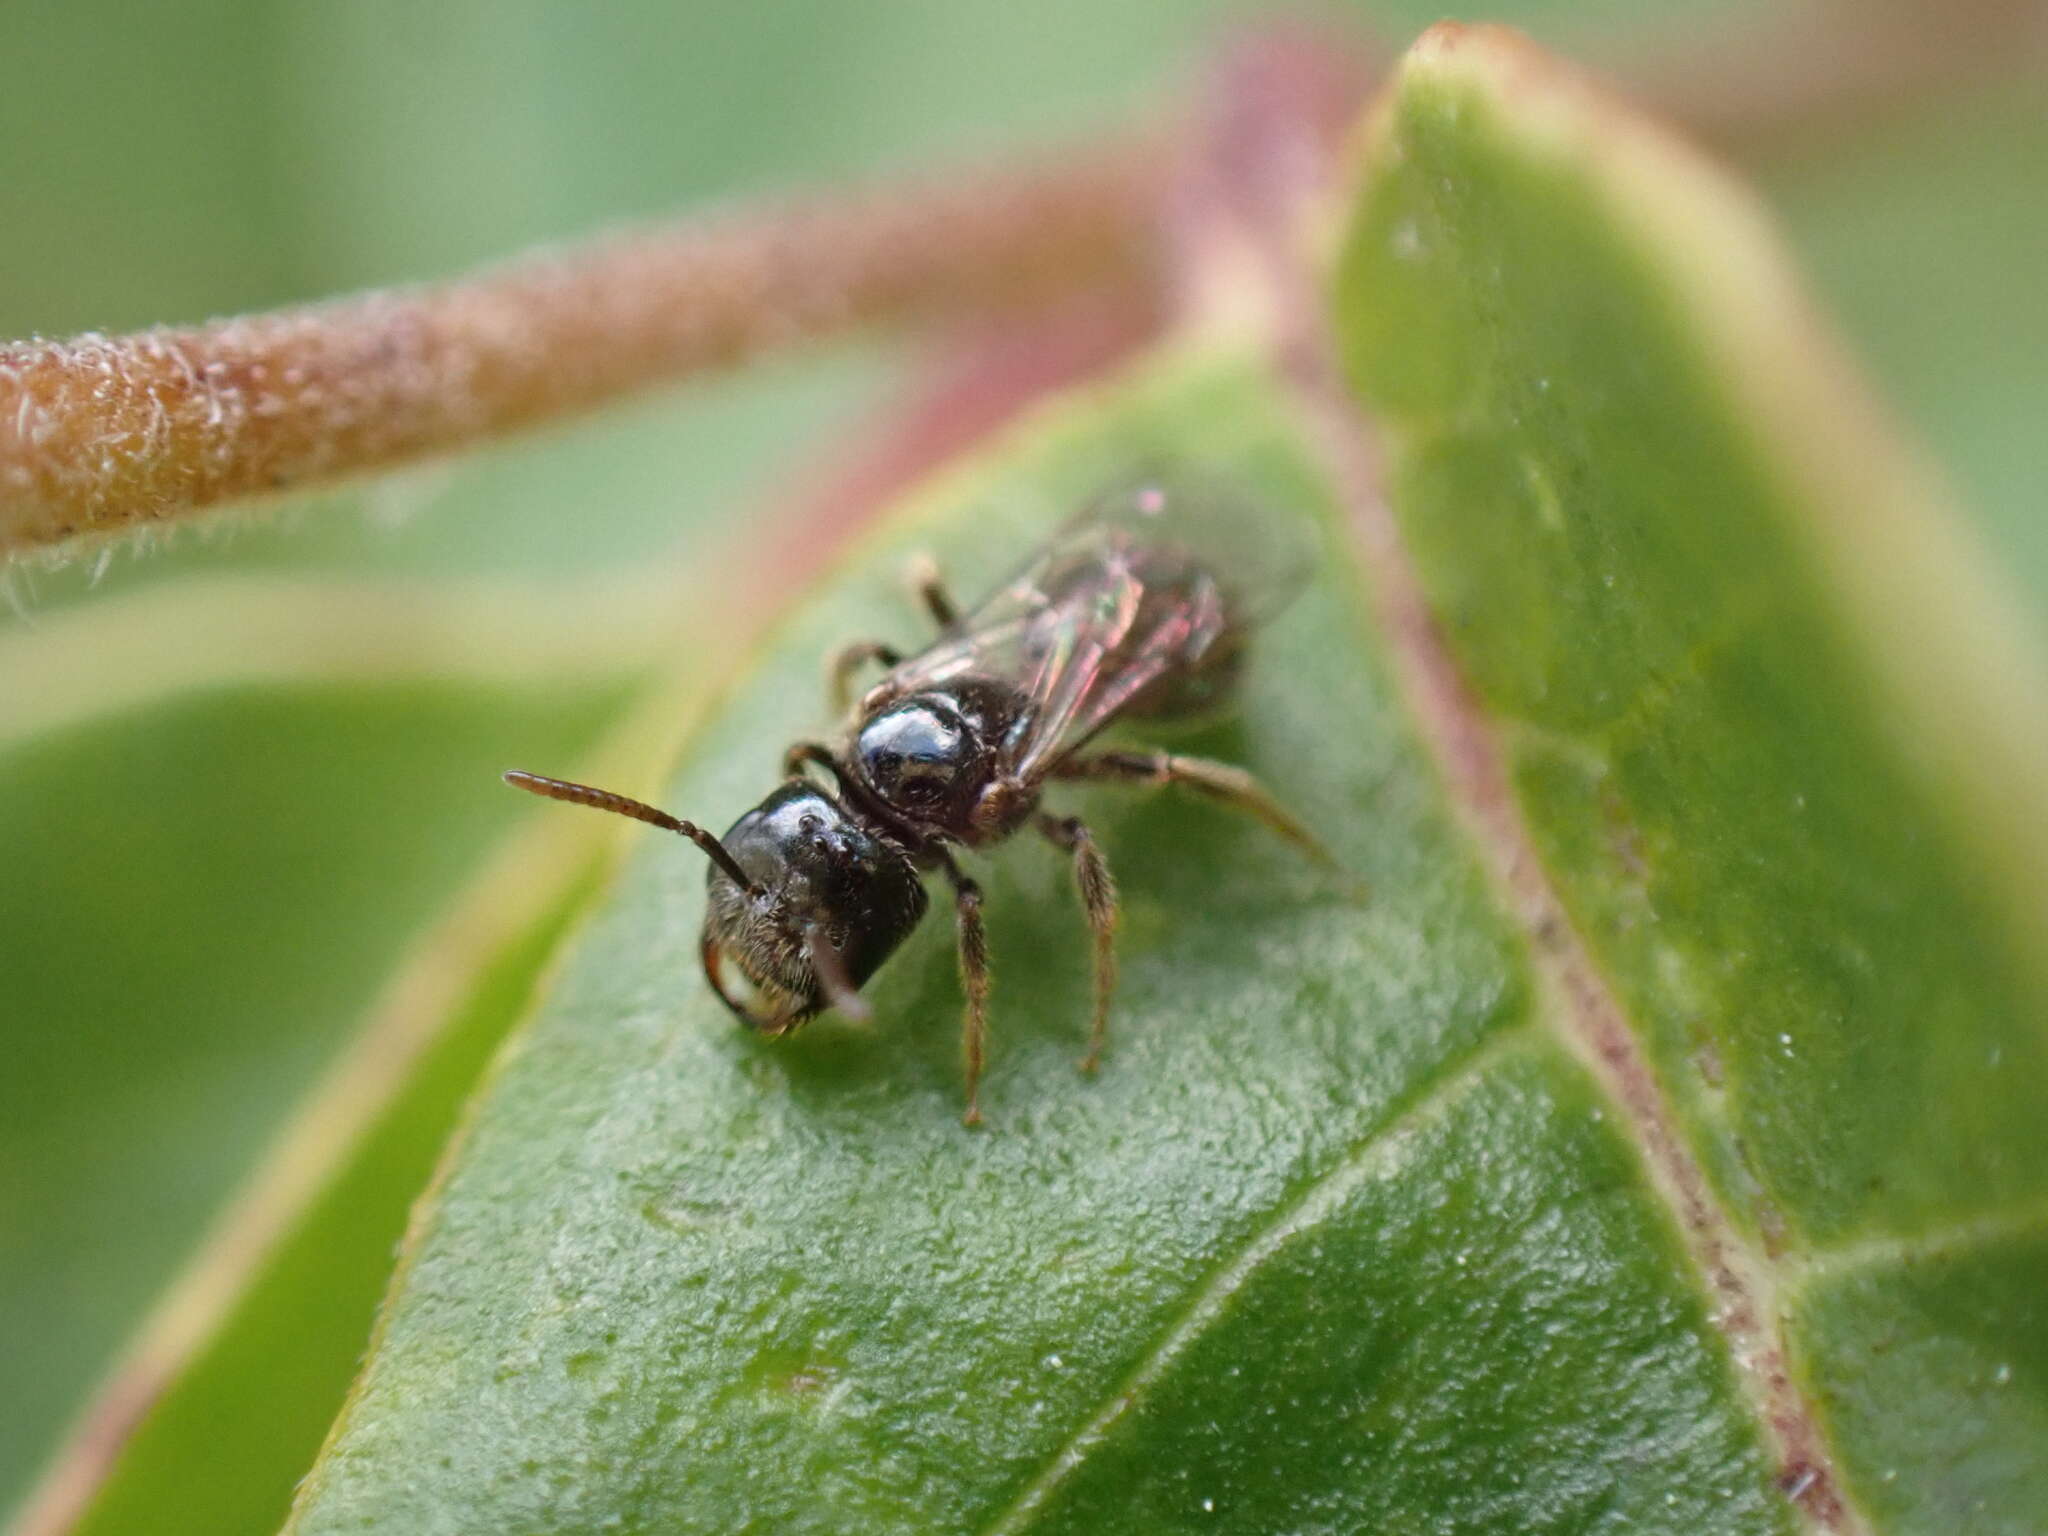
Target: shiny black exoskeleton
pixel 1139 608
pixel 818 883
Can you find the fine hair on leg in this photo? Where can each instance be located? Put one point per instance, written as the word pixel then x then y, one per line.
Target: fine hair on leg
pixel 974 983
pixel 1225 783
pixel 1098 899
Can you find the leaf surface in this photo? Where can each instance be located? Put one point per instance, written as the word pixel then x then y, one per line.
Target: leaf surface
pixel 1341 1227
pixel 1356 1228
pixel 1779 739
pixel 212 864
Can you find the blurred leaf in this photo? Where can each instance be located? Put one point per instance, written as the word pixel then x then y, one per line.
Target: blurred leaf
pixel 1345 1235
pixel 204 889
pixel 251 1354
pixel 1928 233
pixel 228 1434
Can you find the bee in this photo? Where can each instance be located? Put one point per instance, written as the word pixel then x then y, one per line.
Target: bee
pixel 1137 609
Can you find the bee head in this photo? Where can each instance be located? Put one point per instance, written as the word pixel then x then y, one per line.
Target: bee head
pixel 805 903
pixel 823 903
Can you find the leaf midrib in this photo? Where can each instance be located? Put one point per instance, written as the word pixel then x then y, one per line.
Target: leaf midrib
pixel 1577 1003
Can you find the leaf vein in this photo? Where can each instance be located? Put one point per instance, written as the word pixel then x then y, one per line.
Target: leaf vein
pixel 2016 1224
pixel 1321 1198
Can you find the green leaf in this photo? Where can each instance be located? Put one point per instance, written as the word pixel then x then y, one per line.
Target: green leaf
pixel 267 1333
pixel 1917 231
pixel 1366 1222
pixel 1777 738
pixel 1340 1226
pixel 216 854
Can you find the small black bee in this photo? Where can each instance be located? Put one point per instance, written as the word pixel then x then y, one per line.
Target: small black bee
pixel 1138 608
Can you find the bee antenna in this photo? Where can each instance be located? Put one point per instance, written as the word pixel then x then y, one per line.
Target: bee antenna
pixel 831 974
pixel 639 810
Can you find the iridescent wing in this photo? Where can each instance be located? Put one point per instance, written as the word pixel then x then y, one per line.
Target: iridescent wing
pixel 1142 590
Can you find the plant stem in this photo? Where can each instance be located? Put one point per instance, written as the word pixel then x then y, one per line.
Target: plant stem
pixel 99 434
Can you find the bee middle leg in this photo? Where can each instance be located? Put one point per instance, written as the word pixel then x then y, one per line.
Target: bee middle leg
pixel 974 981
pixel 1098 897
pixel 845 662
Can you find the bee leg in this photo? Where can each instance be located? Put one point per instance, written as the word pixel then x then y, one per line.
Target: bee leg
pixel 849 659
pixel 974 981
pixel 930 588
pixel 803 753
pixel 1223 782
pixel 1098 896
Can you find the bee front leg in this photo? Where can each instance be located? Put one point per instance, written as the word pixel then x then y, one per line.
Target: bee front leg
pixel 930 588
pixel 803 753
pixel 849 659
pixel 1098 898
pixel 974 982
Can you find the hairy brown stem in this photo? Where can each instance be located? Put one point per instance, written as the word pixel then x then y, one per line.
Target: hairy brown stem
pixel 97 434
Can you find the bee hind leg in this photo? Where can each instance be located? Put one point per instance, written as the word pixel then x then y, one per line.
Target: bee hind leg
pixel 1098 898
pixel 1225 783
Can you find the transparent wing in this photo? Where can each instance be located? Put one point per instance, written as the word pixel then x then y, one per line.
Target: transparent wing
pixel 1147 586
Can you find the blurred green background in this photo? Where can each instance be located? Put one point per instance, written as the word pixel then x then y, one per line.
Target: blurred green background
pixel 202 891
